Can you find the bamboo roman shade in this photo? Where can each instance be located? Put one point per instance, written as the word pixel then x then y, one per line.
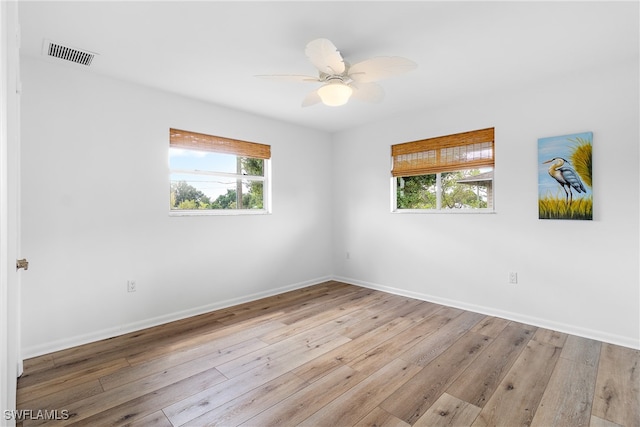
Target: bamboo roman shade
pixel 467 150
pixel 199 141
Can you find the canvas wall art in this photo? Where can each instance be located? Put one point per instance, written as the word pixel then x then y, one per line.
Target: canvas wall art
pixel 564 177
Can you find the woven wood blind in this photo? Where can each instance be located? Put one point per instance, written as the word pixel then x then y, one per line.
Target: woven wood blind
pixel 467 150
pixel 199 141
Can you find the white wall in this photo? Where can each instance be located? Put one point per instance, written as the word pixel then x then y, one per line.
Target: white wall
pixel 575 276
pixel 95 211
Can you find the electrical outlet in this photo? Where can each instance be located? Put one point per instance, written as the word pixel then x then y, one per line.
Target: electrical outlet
pixel 131 285
pixel 513 278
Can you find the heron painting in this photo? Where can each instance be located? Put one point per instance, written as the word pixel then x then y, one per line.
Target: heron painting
pixel 564 177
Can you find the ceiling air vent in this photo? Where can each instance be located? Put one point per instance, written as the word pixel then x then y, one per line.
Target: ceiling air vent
pixel 67 53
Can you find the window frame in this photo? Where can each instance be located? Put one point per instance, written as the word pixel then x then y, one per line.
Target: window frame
pixel 447 141
pixel 222 145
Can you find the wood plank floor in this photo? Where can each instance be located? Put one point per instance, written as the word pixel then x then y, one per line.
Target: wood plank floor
pixel 336 355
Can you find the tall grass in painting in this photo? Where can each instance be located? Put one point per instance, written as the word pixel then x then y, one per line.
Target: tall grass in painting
pixel 581 159
pixel 558 208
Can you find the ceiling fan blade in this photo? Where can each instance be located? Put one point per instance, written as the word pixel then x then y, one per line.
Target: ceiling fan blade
pixel 289 77
pixel 379 68
pixel 325 56
pixel 367 92
pixel 311 99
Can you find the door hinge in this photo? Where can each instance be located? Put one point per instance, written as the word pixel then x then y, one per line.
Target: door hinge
pixel 22 263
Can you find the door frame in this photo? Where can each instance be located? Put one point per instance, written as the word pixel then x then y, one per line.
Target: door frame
pixel 10 360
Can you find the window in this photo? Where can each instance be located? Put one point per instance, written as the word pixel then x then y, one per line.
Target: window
pixel 446 173
pixel 212 174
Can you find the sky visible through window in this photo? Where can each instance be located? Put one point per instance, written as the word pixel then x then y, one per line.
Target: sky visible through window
pixel 204 161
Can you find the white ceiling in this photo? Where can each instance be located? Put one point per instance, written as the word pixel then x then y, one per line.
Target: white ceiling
pixel 212 50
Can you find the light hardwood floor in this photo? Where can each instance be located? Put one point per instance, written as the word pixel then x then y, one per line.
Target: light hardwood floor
pixel 337 355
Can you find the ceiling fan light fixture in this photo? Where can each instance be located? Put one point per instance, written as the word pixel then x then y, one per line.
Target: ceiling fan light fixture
pixel 341 80
pixel 335 94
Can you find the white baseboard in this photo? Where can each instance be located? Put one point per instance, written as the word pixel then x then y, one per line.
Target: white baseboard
pixel 69 342
pixel 489 311
pixel 65 343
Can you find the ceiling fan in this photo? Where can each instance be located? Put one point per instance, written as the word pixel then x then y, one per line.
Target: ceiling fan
pixel 340 80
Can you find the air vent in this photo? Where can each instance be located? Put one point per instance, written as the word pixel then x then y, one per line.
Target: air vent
pixel 67 53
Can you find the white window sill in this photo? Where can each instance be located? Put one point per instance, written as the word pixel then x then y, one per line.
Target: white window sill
pixel 219 212
pixel 444 211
